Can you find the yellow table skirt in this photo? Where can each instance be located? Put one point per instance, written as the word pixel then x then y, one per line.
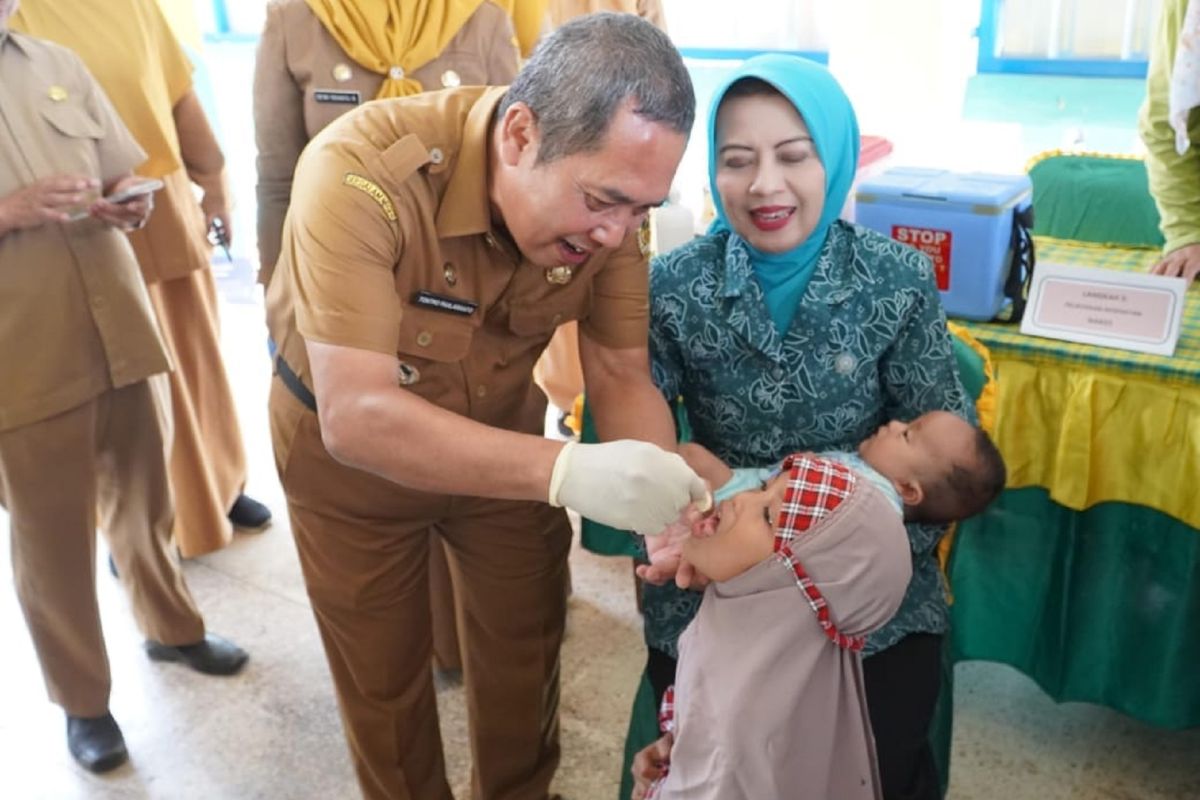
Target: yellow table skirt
pixel 1095 424
pixel 1091 437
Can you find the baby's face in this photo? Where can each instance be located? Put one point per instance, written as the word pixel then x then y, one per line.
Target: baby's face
pixel 921 449
pixel 743 535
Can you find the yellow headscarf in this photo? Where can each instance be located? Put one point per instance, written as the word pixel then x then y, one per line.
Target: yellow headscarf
pixel 394 37
pixel 529 21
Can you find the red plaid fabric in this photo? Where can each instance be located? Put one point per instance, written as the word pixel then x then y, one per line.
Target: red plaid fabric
pixel 815 488
pixel 666 724
pixel 666 714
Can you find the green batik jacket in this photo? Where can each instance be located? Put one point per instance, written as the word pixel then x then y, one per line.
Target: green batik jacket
pixel 868 343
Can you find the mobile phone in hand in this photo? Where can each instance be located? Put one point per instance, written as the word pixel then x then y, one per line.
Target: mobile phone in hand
pixel 137 189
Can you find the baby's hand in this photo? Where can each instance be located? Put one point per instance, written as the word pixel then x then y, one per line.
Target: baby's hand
pixel 666 549
pixel 665 552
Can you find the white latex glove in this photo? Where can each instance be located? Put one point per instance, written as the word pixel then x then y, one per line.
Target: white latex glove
pixel 628 485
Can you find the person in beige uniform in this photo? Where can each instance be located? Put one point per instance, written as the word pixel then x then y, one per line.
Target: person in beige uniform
pixel 433 244
pixel 129 48
pixel 314 64
pixel 306 75
pixel 84 426
pixel 558 371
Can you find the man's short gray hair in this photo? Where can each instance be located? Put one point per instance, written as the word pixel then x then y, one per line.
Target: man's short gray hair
pixel 582 73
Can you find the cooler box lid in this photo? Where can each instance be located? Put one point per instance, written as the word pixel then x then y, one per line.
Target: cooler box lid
pixel 918 185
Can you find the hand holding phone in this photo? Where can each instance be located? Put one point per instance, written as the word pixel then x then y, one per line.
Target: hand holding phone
pixel 135 189
pixel 128 204
pixel 129 192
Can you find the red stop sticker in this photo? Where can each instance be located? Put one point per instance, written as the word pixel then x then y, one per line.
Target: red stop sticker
pixel 933 243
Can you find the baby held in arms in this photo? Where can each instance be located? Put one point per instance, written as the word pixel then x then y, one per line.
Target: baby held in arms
pixel 806 559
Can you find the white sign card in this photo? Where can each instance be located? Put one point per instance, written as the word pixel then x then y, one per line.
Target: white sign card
pixel 1092 305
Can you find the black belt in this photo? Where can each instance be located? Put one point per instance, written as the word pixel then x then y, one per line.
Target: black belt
pixel 294 385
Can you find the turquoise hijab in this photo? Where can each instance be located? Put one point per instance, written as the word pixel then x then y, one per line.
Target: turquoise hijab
pixel 827 112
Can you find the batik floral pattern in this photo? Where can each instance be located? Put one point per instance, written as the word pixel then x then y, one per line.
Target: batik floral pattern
pixel 868 343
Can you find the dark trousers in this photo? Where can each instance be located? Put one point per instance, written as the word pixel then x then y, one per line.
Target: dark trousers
pixel 902 689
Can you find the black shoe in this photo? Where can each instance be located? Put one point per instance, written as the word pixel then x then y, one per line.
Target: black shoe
pixel 250 514
pixel 96 742
pixel 212 656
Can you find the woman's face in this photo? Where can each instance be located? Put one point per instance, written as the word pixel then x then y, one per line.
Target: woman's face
pixel 768 175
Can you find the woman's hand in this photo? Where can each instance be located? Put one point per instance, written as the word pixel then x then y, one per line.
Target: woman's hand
pixel 1182 263
pixel 650 764
pixel 129 215
pixel 216 206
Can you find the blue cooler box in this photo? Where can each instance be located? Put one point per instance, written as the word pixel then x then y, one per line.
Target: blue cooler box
pixel 962 221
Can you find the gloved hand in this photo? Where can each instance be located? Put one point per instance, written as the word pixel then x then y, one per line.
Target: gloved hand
pixel 626 484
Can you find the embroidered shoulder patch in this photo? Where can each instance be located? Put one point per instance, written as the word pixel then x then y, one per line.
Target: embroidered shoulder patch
pixel 374 191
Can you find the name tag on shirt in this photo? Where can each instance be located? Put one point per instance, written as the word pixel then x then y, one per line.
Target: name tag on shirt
pixel 335 96
pixel 450 305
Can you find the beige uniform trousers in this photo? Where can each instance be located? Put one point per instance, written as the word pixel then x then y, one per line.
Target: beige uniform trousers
pixel 208 462
pixel 364 549
pixel 107 454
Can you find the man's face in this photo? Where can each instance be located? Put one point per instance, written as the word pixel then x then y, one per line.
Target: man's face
pixel 563 211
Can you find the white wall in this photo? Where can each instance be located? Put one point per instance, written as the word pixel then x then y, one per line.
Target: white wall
pixel 1084 28
pixel 747 25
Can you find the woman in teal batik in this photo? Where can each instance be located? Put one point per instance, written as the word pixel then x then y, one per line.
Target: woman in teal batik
pixel 785 329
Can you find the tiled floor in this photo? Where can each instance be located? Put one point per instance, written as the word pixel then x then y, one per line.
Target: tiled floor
pixel 273 731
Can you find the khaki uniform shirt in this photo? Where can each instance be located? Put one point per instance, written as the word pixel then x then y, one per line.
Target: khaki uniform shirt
pixel 303 80
pixel 389 247
pixel 129 49
pixel 75 319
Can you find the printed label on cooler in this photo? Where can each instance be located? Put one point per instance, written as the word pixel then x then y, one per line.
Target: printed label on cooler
pixel 931 242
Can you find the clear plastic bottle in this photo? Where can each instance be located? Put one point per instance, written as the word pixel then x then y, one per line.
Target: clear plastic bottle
pixel 671 225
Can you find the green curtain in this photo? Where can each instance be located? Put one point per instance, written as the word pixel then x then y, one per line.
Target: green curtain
pixel 1100 606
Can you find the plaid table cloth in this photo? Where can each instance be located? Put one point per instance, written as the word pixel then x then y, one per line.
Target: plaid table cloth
pixel 1006 340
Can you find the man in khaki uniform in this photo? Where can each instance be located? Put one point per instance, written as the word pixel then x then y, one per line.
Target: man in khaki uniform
pixel 313 66
pixel 128 47
pixel 432 246
pixel 82 420
pixel 558 371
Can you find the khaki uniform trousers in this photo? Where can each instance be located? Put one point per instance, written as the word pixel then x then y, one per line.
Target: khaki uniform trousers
pixel 108 454
pixel 208 462
pixel 364 549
